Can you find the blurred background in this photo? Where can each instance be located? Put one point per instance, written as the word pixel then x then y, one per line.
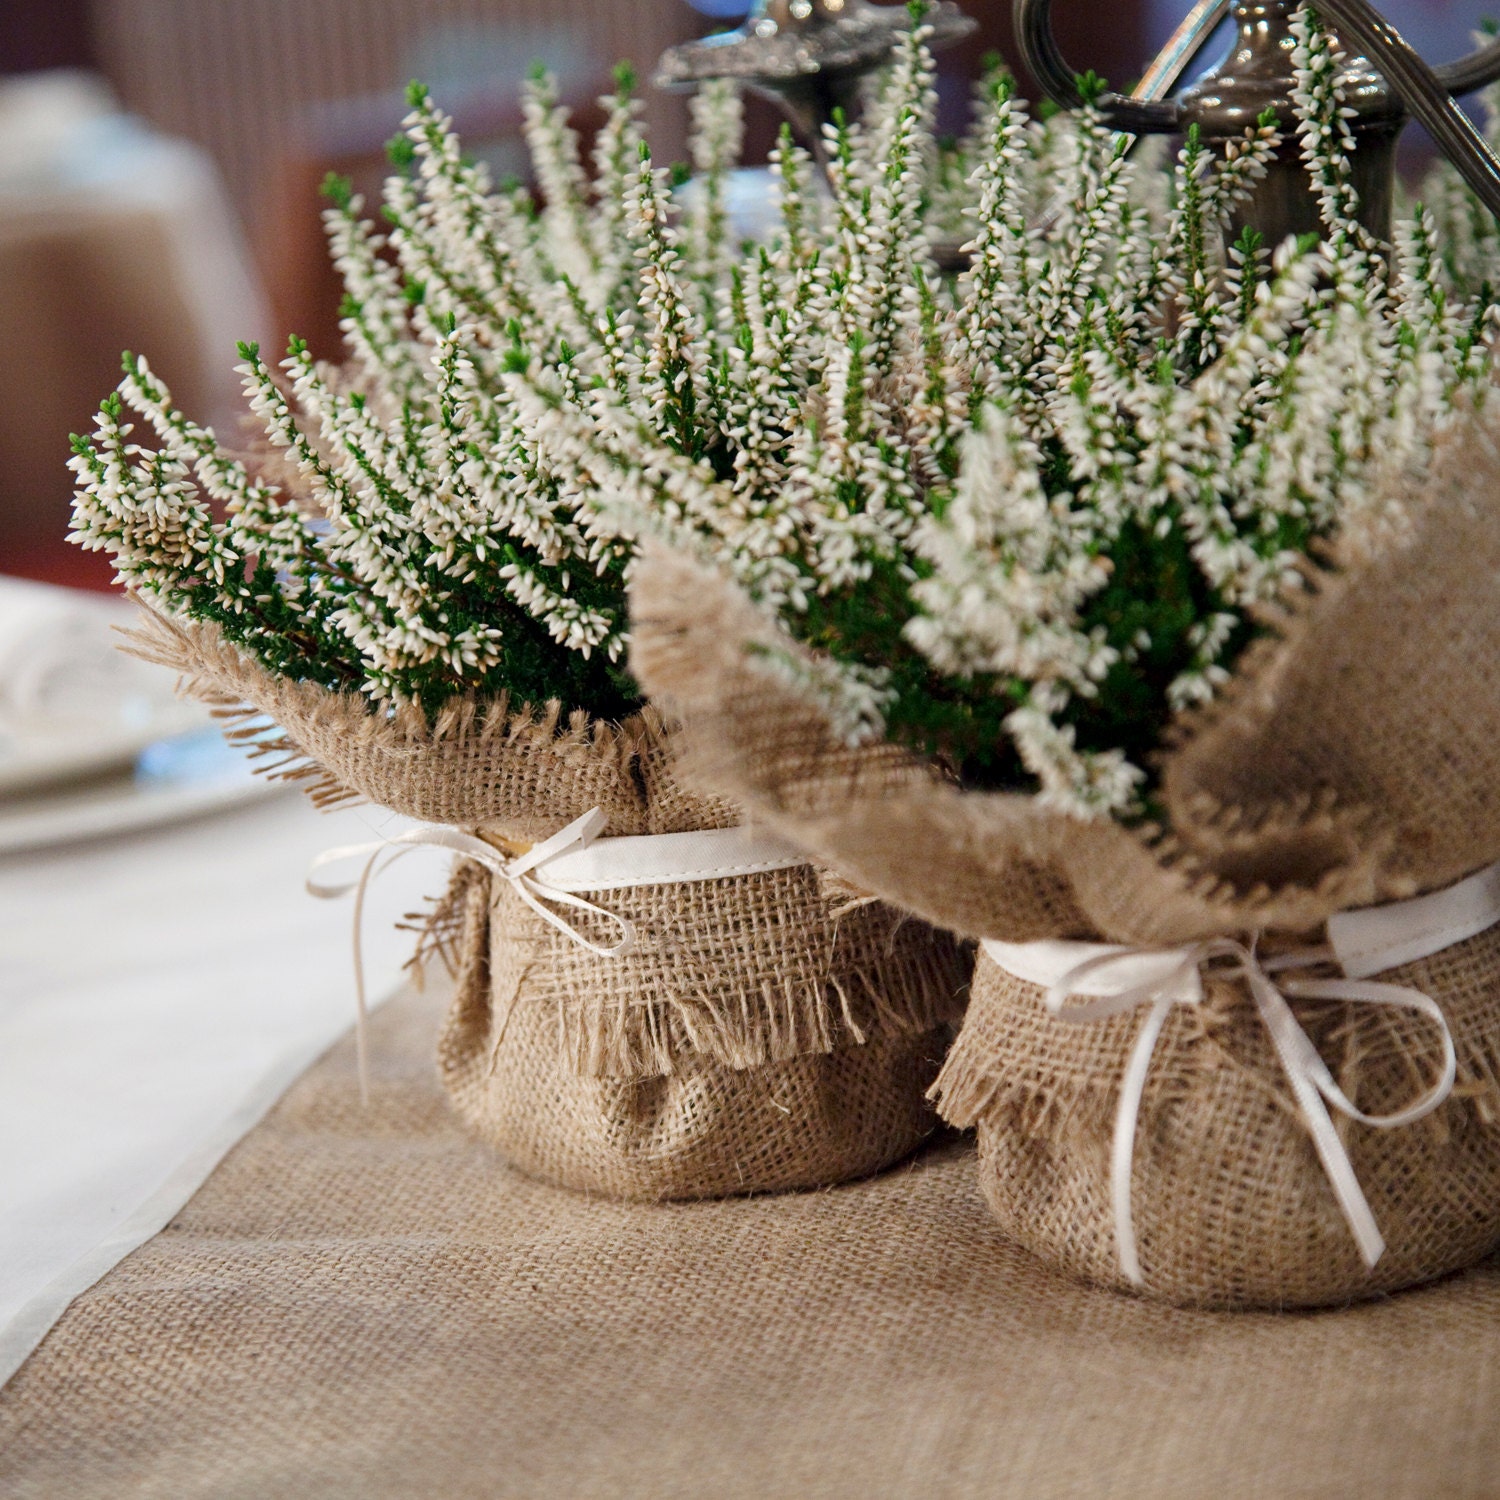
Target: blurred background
pixel 160 162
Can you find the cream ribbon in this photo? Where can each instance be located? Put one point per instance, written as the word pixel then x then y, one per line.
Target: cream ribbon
pixel 1116 980
pixel 554 872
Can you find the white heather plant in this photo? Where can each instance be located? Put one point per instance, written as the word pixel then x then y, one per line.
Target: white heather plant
pixel 1460 232
pixel 1024 514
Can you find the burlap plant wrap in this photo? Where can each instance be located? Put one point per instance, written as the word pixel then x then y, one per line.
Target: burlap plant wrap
pixel 768 1031
pixel 1354 761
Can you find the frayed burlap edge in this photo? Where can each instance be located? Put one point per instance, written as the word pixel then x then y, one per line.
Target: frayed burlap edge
pixel 514 776
pixel 849 1009
pixel 1357 759
pixel 911 982
pixel 519 769
pixel 979 1076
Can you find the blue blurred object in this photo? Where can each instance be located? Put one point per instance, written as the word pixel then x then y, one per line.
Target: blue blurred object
pixel 201 758
pixel 721 10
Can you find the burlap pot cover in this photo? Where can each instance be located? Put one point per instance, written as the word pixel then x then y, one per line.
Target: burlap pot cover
pixel 1350 763
pixel 1231 1205
pixel 769 1031
pixel 814 1074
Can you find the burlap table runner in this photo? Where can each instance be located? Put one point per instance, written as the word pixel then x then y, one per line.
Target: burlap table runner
pixel 367 1303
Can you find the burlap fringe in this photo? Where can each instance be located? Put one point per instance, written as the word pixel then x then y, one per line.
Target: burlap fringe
pixel 605 1036
pixel 972 1085
pixel 441 929
pixel 1351 761
pixel 978 1082
pixel 610 1041
pixel 242 695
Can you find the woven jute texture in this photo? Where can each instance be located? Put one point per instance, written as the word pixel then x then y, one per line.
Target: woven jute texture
pixel 1355 759
pixel 1231 1206
pixel 790 1036
pixel 767 1031
pixel 524 771
pixel 360 1304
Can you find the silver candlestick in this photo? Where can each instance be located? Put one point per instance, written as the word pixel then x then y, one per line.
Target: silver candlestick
pixel 808 56
pixel 1385 84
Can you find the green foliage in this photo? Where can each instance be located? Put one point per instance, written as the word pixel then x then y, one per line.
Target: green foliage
pixel 1020 517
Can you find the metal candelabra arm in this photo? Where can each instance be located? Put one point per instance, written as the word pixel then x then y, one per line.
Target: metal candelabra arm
pixel 1388 83
pixel 1428 93
pixel 1480 67
pixel 1146 110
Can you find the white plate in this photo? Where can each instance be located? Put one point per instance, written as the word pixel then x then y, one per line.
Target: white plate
pixel 35 760
pixel 171 782
pixel 72 705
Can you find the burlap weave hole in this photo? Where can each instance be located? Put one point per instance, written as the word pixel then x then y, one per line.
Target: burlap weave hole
pixel 1232 1208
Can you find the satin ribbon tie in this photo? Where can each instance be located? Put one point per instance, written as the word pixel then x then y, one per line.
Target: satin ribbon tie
pixel 523 872
pixel 1175 977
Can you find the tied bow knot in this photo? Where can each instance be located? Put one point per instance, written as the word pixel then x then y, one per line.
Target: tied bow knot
pixel 553 873
pixel 525 873
pixel 1164 979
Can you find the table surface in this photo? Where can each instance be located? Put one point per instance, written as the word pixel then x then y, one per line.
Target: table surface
pixel 366 1302
pixel 158 993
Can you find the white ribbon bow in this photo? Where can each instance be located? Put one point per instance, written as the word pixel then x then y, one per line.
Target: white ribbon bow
pixel 1163 979
pixel 553 872
pixel 522 871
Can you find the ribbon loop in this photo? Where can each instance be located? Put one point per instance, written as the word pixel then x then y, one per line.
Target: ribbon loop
pixel 525 873
pixel 1400 997
pixel 553 873
pixel 1165 978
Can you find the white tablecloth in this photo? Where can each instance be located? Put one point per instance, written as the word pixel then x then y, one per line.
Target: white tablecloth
pixel 157 994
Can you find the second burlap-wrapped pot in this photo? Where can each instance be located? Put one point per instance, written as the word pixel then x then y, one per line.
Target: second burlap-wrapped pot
pixel 1227 1202
pixel 1351 767
pixel 759 1037
pixel 765 1030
